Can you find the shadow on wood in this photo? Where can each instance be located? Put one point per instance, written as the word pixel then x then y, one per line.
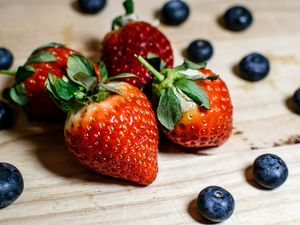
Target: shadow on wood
pixel 51 152
pixel 220 21
pixel 93 47
pixel 192 210
pixel 289 104
pixel 235 70
pixel 168 147
pixel 249 178
pixel 184 53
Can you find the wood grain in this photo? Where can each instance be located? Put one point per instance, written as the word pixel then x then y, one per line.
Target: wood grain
pixel 59 191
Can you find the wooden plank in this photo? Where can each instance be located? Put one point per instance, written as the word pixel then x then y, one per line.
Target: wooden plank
pixel 59 191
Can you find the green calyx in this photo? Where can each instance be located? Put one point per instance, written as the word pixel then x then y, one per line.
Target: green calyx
pixel 40 54
pixel 81 86
pixel 176 90
pixel 128 6
pixel 119 21
pixel 17 92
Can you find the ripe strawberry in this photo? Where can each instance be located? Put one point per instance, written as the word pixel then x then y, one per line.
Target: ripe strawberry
pixel 131 37
pixel 28 89
pixel 110 128
pixel 194 106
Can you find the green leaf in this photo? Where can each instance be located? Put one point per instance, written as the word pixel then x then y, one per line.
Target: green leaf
pixel 41 56
pixel 18 94
pixel 194 66
pixel 103 73
pixel 65 96
pixel 79 64
pixel 190 65
pixel 129 9
pixel 196 75
pixel 23 72
pixel 53 95
pixel 63 89
pixel 102 95
pixel 117 23
pixel 213 77
pixel 49 45
pixel 193 91
pixel 88 82
pixel 129 6
pixel 169 109
pixel 109 87
pixel 122 75
pixel 156 61
pixel 193 74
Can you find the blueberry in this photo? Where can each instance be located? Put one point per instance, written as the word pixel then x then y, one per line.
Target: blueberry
pixel 11 184
pixel 91 6
pixel 254 67
pixel 296 100
pixel 6 116
pixel 270 171
pixel 200 51
pixel 215 204
pixel 6 59
pixel 237 18
pixel 175 12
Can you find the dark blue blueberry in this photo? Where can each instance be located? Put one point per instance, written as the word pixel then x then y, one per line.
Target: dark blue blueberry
pixel 254 67
pixel 296 100
pixel 175 12
pixel 237 18
pixel 6 116
pixel 270 171
pixel 200 51
pixel 11 184
pixel 6 59
pixel 215 204
pixel 91 6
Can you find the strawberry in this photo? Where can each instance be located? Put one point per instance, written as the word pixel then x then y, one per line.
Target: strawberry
pixel 131 37
pixel 28 89
pixel 110 128
pixel 193 105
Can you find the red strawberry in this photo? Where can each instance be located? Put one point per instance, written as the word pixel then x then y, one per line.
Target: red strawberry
pixel 131 37
pixel 110 133
pixel 194 106
pixel 29 91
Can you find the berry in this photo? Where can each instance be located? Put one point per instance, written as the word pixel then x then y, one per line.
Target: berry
pixel 91 6
pixel 111 128
pixel 237 18
pixel 193 105
pixel 215 204
pixel 200 51
pixel 254 67
pixel 6 59
pixel 128 39
pixel 29 87
pixel 175 12
pixel 11 184
pixel 270 171
pixel 6 116
pixel 296 100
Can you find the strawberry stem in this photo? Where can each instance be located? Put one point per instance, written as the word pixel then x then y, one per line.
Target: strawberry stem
pixel 157 74
pixel 8 72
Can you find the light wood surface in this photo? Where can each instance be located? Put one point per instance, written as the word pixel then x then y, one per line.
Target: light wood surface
pixel 59 191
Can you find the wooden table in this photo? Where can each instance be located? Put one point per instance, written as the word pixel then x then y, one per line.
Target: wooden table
pixel 59 191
